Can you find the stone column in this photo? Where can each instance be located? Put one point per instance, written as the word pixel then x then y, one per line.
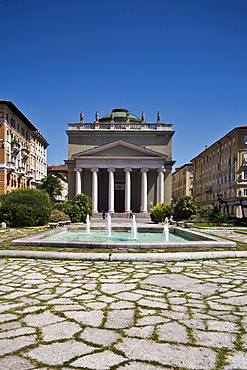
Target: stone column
pixel 78 180
pixel 144 190
pixel 127 189
pixel 160 185
pixel 111 190
pixel 95 189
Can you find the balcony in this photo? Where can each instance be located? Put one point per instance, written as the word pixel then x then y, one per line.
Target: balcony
pixel 29 175
pixel 15 147
pixel 10 166
pixel 20 171
pixel 24 153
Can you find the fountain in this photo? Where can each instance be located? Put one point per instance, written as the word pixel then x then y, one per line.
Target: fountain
pixel 88 224
pixel 108 225
pixel 166 230
pixel 133 228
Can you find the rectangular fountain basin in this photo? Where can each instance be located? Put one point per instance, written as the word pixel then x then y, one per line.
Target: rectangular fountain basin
pixel 190 239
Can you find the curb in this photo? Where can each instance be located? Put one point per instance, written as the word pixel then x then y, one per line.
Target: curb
pixel 148 257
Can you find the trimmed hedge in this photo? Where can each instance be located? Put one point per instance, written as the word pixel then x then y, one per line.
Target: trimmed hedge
pixel 25 207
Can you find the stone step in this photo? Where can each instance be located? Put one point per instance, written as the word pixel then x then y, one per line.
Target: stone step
pixel 123 215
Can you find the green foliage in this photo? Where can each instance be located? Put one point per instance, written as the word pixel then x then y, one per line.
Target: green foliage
pixel 159 213
pixel 57 215
pixel 204 213
pixel 184 208
pixel 25 207
pixel 77 209
pixel 221 218
pixel 52 186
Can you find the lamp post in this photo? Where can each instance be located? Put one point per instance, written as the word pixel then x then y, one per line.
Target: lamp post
pixel 219 197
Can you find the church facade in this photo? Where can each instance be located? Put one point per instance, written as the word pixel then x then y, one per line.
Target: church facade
pixel 122 162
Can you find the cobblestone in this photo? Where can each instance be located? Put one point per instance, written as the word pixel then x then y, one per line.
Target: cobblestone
pixel 123 315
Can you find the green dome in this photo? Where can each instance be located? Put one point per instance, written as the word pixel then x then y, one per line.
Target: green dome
pixel 120 115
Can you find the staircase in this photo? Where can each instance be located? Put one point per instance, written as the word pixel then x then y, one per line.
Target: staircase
pixel 123 215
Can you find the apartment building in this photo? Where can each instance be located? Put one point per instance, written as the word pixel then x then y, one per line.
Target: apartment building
pixel 182 181
pixel 220 173
pixel 23 150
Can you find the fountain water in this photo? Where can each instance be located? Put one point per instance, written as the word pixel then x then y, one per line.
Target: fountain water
pixel 88 224
pixel 166 230
pixel 108 225
pixel 133 228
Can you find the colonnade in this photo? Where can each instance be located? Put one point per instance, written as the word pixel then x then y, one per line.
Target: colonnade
pixel 111 183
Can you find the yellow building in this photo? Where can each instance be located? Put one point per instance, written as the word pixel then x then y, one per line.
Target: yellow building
pixel 220 173
pixel 23 149
pixel 182 181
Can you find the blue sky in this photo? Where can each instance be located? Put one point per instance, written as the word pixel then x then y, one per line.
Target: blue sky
pixel 184 58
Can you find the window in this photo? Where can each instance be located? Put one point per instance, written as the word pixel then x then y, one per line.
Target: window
pixel 245 139
pixel 244 175
pixel 244 191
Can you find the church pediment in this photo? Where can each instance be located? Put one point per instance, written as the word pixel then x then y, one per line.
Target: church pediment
pixel 119 148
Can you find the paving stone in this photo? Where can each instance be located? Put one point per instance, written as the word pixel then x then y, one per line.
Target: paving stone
pixel 92 318
pixel 215 339
pixel 222 326
pixel 7 317
pixel 119 319
pixel 152 303
pixel 99 336
pixel 121 304
pixel 150 320
pixel 128 296
pixel 61 330
pixel 237 361
pixel 173 332
pixel 17 332
pixel 11 345
pixel 167 354
pixel 99 361
pixel 15 363
pixel 140 366
pixel 181 282
pixel 58 353
pixel 116 288
pixel 42 319
pixel 143 332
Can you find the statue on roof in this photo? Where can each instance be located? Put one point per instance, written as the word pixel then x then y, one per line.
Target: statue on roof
pixel 158 117
pixel 81 117
pixel 96 116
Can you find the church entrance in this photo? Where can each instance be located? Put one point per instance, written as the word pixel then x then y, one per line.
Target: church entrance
pixel 119 191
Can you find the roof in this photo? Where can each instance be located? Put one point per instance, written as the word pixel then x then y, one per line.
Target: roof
pixel 120 114
pixel 19 114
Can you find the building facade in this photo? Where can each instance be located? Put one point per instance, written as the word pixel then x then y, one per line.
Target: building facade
pixel 23 157
pixel 220 173
pixel 122 162
pixel 61 172
pixel 182 181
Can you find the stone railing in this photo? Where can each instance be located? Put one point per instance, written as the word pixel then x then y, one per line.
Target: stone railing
pixel 121 126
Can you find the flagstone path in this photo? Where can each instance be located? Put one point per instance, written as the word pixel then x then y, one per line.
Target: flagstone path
pixel 65 315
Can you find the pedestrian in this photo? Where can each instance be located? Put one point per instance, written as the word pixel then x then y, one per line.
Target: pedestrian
pixel 103 215
pixel 131 214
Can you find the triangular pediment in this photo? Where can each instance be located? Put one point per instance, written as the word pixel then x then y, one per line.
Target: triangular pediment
pixel 119 148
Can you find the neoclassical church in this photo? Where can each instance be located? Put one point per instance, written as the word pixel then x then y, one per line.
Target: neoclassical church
pixel 122 162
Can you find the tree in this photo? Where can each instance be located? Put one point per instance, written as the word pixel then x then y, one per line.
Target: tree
pixel 77 209
pixel 25 207
pixel 185 207
pixel 52 186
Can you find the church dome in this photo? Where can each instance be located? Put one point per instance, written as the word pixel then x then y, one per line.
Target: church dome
pixel 120 114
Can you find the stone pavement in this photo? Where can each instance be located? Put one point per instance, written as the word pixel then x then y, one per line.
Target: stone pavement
pixel 123 315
